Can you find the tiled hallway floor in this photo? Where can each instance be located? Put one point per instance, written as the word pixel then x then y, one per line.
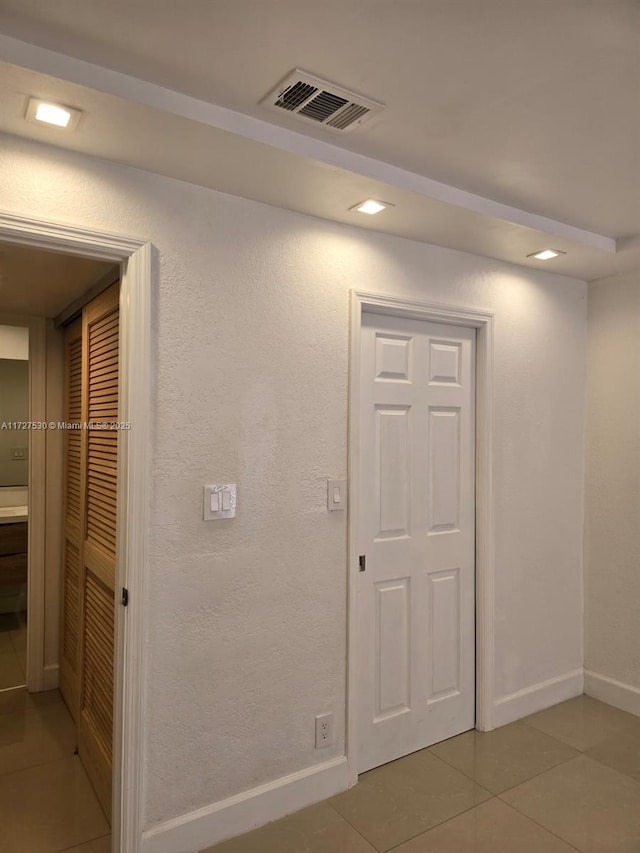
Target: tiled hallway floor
pixel 565 779
pixel 562 780
pixel 46 802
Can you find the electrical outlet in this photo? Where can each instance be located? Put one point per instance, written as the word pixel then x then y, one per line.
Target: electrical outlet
pixel 324 730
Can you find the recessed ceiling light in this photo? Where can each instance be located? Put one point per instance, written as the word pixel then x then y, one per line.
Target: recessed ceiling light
pixel 546 254
pixel 47 112
pixel 371 206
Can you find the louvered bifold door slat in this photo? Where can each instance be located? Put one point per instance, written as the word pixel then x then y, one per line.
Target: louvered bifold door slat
pixel 73 521
pixel 100 448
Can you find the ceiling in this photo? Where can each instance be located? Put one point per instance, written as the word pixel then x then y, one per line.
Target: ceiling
pixel 528 104
pixel 40 283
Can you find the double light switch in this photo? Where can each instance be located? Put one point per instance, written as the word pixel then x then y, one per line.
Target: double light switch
pixel 219 502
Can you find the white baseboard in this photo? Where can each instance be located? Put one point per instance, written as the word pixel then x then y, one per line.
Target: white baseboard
pixel 539 696
pixel 613 692
pixel 219 821
pixel 50 678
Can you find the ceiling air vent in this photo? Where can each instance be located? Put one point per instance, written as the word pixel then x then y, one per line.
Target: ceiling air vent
pixel 315 100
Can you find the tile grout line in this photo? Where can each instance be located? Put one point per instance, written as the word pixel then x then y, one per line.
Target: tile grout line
pixel 508 805
pixel 541 773
pixel 524 722
pixel 611 767
pixel 82 843
pixel 31 708
pixel 424 832
pixel 464 811
pixel 541 825
pixel 33 766
pixel 535 776
pixel 581 752
pixel 21 713
pixel 439 823
pixel 29 713
pixel 355 828
pixel 457 769
pixel 492 796
pixel 584 752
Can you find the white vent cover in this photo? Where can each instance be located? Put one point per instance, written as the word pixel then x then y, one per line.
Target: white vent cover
pixel 317 101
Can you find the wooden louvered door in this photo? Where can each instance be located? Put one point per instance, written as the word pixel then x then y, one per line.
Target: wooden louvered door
pixel 73 521
pixel 100 404
pixel 88 613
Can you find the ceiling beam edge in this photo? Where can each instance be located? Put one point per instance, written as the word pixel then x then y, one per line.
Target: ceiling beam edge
pixel 133 89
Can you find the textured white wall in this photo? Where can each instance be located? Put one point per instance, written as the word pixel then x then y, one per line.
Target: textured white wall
pixel 247 619
pixel 612 553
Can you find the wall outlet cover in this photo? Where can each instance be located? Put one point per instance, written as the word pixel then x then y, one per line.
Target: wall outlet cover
pixel 324 731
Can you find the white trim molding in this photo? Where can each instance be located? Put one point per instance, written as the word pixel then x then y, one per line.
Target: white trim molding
pixel 50 680
pixel 244 812
pixel 613 692
pixel 482 321
pixel 44 234
pixel 537 697
pixel 133 496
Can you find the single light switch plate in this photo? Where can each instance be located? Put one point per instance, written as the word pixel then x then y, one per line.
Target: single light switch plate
pixel 219 502
pixel 336 495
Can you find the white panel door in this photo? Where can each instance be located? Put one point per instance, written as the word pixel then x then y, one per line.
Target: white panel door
pixel 416 530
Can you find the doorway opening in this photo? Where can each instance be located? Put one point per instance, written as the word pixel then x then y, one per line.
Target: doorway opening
pixel 420 665
pixel 110 479
pixel 14 518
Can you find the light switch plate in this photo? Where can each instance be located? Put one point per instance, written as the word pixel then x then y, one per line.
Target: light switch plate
pixel 219 502
pixel 336 495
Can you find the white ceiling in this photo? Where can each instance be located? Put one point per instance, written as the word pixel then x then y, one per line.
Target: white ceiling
pixel 41 283
pixel 533 104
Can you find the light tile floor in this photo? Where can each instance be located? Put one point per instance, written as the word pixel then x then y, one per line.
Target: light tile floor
pixel 13 649
pixel 563 780
pixel 47 804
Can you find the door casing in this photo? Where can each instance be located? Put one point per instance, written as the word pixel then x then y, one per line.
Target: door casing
pixel 134 468
pixel 482 321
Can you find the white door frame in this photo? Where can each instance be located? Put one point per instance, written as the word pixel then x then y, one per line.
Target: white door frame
pixel 134 256
pixel 482 321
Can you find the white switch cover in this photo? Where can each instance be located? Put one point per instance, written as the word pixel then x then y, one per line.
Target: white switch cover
pixel 219 502
pixel 336 495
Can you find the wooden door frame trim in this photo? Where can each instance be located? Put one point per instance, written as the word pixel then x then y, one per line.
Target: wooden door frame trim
pixel 483 322
pixel 134 491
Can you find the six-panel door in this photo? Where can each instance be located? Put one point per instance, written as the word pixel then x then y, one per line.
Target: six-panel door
pixel 416 526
